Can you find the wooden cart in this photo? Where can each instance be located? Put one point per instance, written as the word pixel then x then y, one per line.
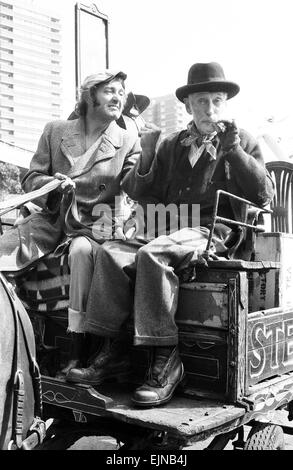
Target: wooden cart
pixel 235 322
pixel 238 363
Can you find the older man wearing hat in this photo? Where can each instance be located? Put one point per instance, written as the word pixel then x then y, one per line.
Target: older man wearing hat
pixel 186 170
pixel 92 154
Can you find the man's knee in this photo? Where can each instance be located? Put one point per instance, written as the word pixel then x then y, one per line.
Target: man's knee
pixel 156 248
pixel 80 248
pixel 147 252
pixel 114 256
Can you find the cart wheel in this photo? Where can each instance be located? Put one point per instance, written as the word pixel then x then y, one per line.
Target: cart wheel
pixel 265 436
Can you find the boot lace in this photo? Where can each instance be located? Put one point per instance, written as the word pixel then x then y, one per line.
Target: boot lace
pixel 158 371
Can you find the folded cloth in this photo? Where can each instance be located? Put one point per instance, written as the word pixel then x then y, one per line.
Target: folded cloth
pixel 31 239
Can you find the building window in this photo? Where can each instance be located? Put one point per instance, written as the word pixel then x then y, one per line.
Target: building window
pixel 8 51
pixel 9 74
pixel 7 131
pixel 6 5
pixel 8 28
pixel 7 62
pixel 7 17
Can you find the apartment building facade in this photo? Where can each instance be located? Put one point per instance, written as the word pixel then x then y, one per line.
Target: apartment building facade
pixel 30 72
pixel 168 113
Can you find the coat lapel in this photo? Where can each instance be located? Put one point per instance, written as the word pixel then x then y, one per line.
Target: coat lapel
pixel 112 139
pixel 73 140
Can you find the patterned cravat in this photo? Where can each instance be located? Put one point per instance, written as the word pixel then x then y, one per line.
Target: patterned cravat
pixel 198 144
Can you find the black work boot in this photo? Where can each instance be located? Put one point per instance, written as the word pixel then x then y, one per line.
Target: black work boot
pixel 111 362
pixel 165 373
pixel 77 354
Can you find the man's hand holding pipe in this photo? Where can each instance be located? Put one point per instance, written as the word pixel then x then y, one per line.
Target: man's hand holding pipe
pixel 228 135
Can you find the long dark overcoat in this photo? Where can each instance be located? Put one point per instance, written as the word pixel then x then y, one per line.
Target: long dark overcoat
pixel 171 180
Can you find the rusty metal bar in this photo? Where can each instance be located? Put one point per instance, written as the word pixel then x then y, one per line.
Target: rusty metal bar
pixel 215 217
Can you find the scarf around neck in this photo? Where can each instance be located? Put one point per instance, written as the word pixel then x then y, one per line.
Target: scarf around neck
pixel 199 142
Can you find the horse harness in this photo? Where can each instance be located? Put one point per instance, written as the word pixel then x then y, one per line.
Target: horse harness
pixel 38 426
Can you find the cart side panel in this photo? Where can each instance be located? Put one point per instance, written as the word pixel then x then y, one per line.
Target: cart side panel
pixel 237 344
pixel 270 344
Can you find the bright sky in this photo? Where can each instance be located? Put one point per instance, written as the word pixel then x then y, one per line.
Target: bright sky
pixel 156 41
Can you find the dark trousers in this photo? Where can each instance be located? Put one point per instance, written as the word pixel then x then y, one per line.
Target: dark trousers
pixel 140 278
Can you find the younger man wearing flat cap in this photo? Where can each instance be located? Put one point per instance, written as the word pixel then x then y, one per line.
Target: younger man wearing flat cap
pixel 188 168
pixel 92 154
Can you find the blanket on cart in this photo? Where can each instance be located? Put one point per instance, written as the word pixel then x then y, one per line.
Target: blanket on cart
pixel 45 288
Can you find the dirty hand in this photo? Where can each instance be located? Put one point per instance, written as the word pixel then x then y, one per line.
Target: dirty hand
pixel 68 185
pixel 229 135
pixel 149 136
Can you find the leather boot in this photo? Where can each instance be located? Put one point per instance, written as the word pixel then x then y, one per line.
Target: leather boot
pixel 76 355
pixel 94 345
pixel 111 362
pixel 165 373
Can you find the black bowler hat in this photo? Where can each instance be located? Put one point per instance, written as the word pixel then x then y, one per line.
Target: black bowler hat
pixel 207 77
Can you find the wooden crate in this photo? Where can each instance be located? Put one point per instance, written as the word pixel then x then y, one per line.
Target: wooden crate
pixel 215 318
pixel 204 353
pixel 212 317
pixel 278 247
pixel 263 289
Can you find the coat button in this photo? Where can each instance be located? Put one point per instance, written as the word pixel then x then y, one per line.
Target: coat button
pixel 102 187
